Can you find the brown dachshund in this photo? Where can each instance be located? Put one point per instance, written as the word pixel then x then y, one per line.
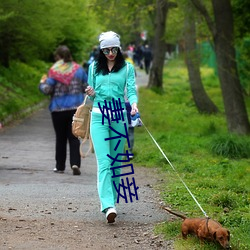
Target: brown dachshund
pixel 204 229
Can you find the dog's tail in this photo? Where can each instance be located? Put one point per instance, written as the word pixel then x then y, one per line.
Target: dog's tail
pixel 175 213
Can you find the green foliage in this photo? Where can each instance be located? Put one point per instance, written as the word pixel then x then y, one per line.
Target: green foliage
pixel 175 25
pixel 243 59
pixel 170 230
pixel 128 18
pixel 29 33
pixel 175 28
pixel 231 146
pixel 219 183
pixel 19 87
pixel 224 200
pixel 241 17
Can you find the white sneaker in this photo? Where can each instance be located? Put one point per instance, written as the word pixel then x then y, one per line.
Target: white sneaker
pixel 111 214
pixel 131 155
pixel 58 171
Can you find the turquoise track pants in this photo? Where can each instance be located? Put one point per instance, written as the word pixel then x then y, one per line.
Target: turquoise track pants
pixel 106 190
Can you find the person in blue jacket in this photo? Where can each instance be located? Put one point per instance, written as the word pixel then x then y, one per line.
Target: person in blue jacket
pixel 108 77
pixel 65 83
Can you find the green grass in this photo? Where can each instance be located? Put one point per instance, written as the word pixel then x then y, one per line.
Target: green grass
pixel 19 88
pixel 214 164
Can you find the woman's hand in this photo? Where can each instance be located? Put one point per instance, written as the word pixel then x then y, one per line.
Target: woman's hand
pixel 90 91
pixel 134 109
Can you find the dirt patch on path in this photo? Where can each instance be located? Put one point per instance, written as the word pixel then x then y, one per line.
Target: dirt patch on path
pixel 49 234
pixel 31 217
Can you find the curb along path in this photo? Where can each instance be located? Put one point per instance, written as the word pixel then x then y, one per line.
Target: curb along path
pixel 43 210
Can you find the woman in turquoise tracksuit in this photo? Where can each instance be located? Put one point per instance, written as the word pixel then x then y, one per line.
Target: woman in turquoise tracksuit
pixel 108 77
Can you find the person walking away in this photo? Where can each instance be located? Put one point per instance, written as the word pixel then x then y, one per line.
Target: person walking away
pixel 65 84
pixel 108 77
pixel 147 54
pixel 139 56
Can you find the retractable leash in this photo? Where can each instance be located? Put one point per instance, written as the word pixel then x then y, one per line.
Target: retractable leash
pixel 174 170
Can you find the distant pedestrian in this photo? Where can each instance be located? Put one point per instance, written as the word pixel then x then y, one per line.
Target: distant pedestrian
pixel 65 84
pixel 93 55
pixel 138 56
pixel 147 54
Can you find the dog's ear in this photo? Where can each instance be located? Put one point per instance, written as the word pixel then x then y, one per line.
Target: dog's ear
pixel 228 237
pixel 214 235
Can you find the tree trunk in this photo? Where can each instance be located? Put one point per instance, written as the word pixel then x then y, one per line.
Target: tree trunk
pixel 159 47
pixel 201 99
pixel 223 38
pixel 235 109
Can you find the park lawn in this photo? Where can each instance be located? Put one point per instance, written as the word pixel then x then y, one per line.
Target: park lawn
pixel 219 182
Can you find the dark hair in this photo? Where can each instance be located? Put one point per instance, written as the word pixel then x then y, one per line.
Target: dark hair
pixel 64 53
pixel 102 67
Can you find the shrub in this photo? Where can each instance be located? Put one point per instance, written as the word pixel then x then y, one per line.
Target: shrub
pixel 223 200
pixel 231 146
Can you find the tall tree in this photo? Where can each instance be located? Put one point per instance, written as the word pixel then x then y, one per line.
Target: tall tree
pixel 223 38
pixel 159 46
pixel 201 99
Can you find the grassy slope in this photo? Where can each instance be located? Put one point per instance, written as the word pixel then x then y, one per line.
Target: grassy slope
pixel 19 88
pixel 220 184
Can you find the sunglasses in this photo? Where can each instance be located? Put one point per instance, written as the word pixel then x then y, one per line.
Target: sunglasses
pixel 106 51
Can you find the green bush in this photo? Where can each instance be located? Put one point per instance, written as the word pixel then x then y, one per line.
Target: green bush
pixel 231 146
pixel 19 87
pixel 223 200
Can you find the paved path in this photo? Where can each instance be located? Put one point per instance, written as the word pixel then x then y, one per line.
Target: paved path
pixel 141 78
pixel 29 189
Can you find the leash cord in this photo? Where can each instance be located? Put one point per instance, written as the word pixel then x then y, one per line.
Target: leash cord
pixel 174 170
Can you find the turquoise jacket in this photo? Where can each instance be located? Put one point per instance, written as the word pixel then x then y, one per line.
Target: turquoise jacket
pixel 113 85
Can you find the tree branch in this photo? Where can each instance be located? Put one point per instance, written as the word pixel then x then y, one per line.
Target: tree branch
pixel 202 9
